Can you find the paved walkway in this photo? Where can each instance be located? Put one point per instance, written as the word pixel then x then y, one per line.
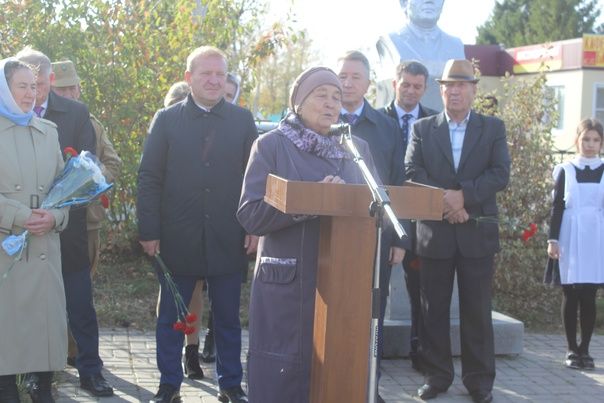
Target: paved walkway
pixel 537 375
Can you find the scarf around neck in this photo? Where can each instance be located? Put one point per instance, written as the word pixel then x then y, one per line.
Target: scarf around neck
pixel 310 141
pixel 8 107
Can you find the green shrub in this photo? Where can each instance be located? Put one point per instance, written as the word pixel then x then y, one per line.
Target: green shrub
pixel 529 113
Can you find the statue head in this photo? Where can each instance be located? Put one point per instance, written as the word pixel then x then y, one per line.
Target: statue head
pixel 424 13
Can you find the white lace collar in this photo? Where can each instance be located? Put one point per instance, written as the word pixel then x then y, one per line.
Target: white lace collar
pixel 582 162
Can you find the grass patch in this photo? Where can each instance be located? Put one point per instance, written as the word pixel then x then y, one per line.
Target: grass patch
pixel 125 293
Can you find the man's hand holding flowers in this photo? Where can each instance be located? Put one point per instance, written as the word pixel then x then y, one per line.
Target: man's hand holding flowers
pixel 151 248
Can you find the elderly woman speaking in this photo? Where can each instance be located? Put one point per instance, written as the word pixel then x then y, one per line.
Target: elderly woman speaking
pixel 283 288
pixel 32 299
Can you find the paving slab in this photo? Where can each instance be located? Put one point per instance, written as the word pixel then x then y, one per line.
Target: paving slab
pixel 536 375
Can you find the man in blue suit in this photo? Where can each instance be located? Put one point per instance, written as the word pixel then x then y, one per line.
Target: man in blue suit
pixel 466 154
pixel 409 87
pixel 189 183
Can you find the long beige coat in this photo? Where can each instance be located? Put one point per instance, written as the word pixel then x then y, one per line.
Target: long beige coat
pixel 33 325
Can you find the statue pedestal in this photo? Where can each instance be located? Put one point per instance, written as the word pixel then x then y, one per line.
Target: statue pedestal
pixel 508 331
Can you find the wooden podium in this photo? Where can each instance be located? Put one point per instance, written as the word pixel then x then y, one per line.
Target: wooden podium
pixel 342 322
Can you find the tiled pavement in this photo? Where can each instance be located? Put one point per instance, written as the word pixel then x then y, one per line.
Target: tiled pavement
pixel 537 375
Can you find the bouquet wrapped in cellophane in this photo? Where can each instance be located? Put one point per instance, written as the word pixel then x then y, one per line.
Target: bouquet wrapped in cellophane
pixel 80 182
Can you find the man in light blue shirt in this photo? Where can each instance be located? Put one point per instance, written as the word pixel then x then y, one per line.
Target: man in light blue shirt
pixel 457 132
pixel 466 154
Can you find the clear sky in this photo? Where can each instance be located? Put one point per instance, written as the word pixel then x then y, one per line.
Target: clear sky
pixel 339 25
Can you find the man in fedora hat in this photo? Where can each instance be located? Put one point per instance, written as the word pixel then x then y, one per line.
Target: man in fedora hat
pixel 466 154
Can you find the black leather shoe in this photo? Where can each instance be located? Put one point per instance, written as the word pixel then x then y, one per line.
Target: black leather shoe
pixel 482 397
pixel 233 395
pixel 37 385
pixel 166 394
pixel 96 385
pixel 427 392
pixel 191 362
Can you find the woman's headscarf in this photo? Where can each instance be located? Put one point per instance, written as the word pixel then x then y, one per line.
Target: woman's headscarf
pixel 292 127
pixel 307 81
pixel 8 107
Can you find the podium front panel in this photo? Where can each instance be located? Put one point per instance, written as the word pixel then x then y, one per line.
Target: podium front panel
pixel 343 310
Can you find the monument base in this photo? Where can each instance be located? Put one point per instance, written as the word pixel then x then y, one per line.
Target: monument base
pixel 508 332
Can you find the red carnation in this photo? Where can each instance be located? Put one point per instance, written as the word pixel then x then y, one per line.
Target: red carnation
pixel 70 152
pixel 529 232
pixel 191 317
pixel 189 330
pixel 179 326
pixel 104 200
pixel 415 264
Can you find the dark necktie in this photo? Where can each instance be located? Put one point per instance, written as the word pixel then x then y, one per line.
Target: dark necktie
pixel 405 126
pixel 351 118
pixel 38 111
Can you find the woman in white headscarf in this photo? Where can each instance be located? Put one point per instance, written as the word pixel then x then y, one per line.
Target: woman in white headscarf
pixel 32 299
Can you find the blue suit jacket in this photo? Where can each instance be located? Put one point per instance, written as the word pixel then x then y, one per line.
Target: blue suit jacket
pixel 390 110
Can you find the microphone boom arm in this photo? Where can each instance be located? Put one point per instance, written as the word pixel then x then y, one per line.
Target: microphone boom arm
pixel 379 193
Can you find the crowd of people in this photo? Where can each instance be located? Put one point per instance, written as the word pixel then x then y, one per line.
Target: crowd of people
pixel 205 227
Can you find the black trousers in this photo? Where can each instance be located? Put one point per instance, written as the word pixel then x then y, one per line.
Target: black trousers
pixel 413 286
pixel 82 321
pixel 474 279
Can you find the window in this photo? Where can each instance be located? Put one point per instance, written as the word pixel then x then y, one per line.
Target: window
pixel 599 102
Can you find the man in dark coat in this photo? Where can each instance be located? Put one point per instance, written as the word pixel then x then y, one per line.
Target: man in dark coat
pixel 466 154
pixel 386 147
pixel 189 185
pixel 75 130
pixel 409 87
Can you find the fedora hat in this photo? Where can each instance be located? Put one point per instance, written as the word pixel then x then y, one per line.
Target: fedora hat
pixel 458 70
pixel 65 74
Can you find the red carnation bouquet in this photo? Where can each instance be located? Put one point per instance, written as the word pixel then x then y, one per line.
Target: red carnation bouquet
pixel 184 318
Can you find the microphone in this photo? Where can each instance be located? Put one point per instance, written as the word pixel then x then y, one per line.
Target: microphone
pixel 338 129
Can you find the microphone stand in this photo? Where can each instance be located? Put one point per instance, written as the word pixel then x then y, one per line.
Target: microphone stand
pixel 380 204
